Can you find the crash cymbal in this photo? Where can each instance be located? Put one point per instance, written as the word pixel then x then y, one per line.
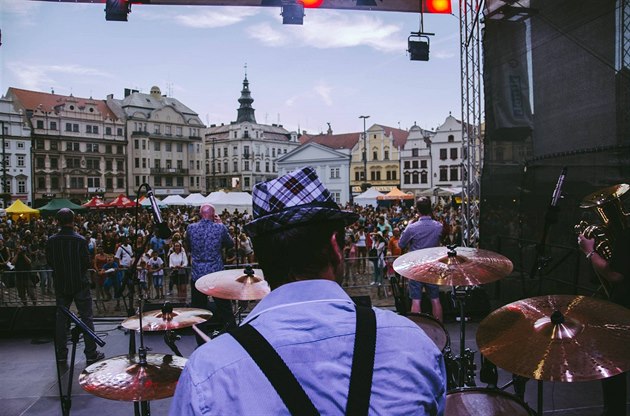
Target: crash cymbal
pixel 558 338
pixel 234 284
pixel 165 321
pixel 461 266
pixel 603 196
pixel 123 378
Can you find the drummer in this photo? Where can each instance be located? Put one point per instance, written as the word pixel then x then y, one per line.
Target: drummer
pixel 423 232
pixel 306 327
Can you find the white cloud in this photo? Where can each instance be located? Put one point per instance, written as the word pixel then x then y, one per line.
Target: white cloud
pixel 20 10
pixel 324 29
pixel 324 91
pixel 442 54
pixel 204 17
pixel 320 91
pixel 40 77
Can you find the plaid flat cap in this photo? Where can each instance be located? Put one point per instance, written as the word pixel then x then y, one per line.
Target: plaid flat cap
pixel 295 198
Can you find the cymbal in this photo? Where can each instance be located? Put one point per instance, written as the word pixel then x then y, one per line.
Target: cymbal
pixel 234 284
pixel 463 266
pixel 123 378
pixel 604 196
pixel 558 338
pixel 159 321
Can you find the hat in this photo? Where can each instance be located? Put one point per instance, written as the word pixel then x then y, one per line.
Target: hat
pixel 296 198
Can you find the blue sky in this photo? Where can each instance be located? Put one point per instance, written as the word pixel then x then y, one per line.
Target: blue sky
pixel 337 66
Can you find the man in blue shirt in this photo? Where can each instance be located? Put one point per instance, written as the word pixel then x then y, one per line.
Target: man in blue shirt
pixel 311 324
pixel 423 233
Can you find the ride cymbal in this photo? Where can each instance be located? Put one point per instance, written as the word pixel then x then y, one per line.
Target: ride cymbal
pixel 124 378
pixel 234 284
pixel 558 338
pixel 159 320
pixel 461 266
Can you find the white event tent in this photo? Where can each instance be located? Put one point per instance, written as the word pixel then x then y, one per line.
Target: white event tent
pixel 172 200
pixel 195 200
pixel 232 201
pixel 367 198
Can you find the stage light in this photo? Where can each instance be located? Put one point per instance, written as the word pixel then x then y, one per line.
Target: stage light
pixel 437 6
pixel 366 3
pixel 292 13
pixel 418 48
pixel 117 10
pixel 312 4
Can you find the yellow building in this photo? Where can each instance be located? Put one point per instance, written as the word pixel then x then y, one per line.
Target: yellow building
pixel 383 145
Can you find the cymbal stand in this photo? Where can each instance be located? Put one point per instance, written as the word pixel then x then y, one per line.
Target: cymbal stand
pixel 145 409
pixel 466 357
pixel 169 335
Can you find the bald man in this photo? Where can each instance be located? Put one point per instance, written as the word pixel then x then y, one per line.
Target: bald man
pixel 206 240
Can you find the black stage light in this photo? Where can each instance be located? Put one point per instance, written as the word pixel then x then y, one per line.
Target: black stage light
pixel 418 50
pixel 366 3
pixel 292 13
pixel 117 10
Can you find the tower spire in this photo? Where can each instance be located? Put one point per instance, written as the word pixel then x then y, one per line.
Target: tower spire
pixel 246 111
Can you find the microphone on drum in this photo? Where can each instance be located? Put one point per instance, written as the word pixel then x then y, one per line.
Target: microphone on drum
pixel 557 193
pixel 161 228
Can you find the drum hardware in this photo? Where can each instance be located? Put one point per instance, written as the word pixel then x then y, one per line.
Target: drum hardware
pixel 484 402
pixel 466 357
pixel 558 338
pixel 607 205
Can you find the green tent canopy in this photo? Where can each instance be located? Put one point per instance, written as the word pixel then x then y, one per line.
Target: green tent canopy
pixel 56 204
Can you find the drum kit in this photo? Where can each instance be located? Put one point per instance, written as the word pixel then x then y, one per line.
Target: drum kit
pixel 142 377
pixel 548 338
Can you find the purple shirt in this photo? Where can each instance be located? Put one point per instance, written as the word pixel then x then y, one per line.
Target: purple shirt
pixel 423 233
pixel 206 239
pixel 311 324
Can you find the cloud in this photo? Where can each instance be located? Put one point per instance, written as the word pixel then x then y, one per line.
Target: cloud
pixel 321 91
pixel 20 10
pixel 325 29
pixel 324 92
pixel 39 77
pixel 204 18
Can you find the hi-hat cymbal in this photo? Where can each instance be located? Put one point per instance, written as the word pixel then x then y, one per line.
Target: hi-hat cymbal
pixel 234 284
pixel 123 378
pixel 166 321
pixel 558 338
pixel 603 196
pixel 462 266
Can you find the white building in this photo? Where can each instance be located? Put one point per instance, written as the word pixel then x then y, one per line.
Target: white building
pixel 244 152
pixel 332 167
pixel 16 139
pixel 165 145
pixel 415 161
pixel 446 154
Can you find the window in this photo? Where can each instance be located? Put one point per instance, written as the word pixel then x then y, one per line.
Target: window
pixel 414 177
pixel 94 182
pixel 198 165
pixel 109 165
pixel 454 153
pixel 54 182
pixel 235 166
pixel 246 165
pixel 167 130
pixel 180 181
pixel 423 164
pixel 120 183
pixel 137 163
pixel 156 146
pixel 109 183
pixel 156 129
pixel 92 148
pixel 68 126
pixel 108 149
pixel 443 173
pixel 357 176
pixel 88 129
pixel 178 131
pixel 375 175
pixel 454 173
pixel 119 131
pixel 394 175
pixel 414 152
pixel 443 154
pixel 414 164
pixel 54 163
pixel 169 181
pixel 246 182
pixel 157 163
pixel 273 152
pixel 39 144
pixel 53 125
pixel 73 162
pixel 180 147
pixel 144 163
pixel 77 182
pixel 168 147
pixel 53 145
pixel 180 164
pixel 407 164
pixel 386 155
pixel 451 138
pixel 20 161
pixel 120 149
pixel 41 183
pixel 407 178
pixel 72 147
pixel 225 167
pixel 95 129
pixel 120 165
pixel 423 177
pixel 388 175
pixel 75 128
pixel 144 144
pixel 7 160
pixel 375 155
pixel 157 181
pixel 40 162
pixel 137 181
pixel 257 166
pixel 92 164
pixel 336 196
pixel 40 124
pixel 136 144
pixel 334 173
pixel 246 151
pixel 169 163
pixel 7 144
pixel 225 150
pixel 108 131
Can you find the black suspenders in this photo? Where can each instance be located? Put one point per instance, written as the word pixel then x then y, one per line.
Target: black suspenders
pixel 287 386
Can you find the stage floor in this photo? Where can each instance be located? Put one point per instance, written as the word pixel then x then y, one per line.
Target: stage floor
pixel 30 388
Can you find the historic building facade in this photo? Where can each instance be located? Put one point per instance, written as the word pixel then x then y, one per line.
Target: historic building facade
pixel 244 152
pixel 446 153
pixel 165 142
pixel 15 177
pixel 381 146
pixel 78 146
pixel 415 161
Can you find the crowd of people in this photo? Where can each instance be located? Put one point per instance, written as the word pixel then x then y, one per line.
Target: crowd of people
pixel 115 239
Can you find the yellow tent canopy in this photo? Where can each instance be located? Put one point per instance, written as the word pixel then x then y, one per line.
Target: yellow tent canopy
pixel 19 210
pixel 394 194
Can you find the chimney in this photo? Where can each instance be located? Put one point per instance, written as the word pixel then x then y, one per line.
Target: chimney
pixel 110 96
pixel 127 92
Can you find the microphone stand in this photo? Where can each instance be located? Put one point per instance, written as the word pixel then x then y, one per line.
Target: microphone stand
pixel 79 327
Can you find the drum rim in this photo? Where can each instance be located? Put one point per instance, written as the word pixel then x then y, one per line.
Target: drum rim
pixel 498 392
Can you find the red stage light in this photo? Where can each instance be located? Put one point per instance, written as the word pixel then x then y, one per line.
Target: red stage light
pixel 311 4
pixel 437 6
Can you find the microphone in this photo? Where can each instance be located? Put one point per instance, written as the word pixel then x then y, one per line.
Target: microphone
pixel 161 228
pixel 557 193
pixel 87 331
